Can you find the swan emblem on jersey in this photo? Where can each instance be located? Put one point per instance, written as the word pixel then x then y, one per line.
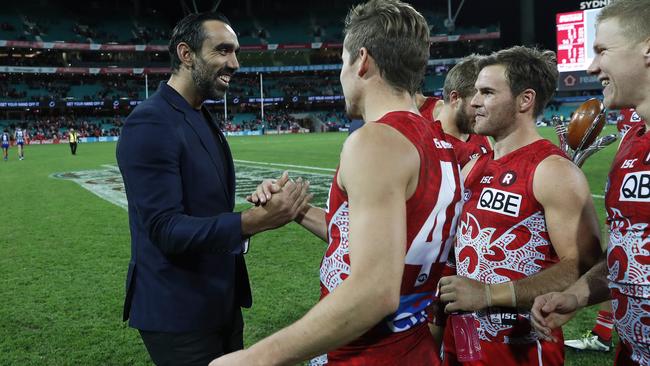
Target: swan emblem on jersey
pixel 628 255
pixel 633 323
pixel 493 261
pixel 514 253
pixel 335 267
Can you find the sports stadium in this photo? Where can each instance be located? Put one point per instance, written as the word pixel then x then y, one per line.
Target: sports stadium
pixel 86 66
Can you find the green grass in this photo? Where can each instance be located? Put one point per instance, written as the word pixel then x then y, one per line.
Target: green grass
pixel 64 253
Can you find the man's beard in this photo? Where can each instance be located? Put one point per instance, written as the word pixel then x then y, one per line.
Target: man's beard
pixel 206 85
pixel 464 122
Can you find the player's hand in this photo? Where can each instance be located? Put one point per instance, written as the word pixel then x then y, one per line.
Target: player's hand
pixel 551 311
pixel 287 203
pixel 267 188
pixel 462 294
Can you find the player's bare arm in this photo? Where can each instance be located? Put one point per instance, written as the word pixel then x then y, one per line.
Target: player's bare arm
pixel 313 219
pixel 573 231
pixel 562 189
pixel 379 170
pixel 554 309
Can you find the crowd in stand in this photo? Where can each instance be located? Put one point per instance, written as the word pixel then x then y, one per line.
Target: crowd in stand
pixel 287 85
pixel 273 120
pixel 334 120
pixel 140 34
pixel 54 128
pixel 55 87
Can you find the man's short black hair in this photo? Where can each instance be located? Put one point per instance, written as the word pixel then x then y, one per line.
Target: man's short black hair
pixel 190 30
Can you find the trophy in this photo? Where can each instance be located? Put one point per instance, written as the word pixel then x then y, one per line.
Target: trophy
pixel 578 139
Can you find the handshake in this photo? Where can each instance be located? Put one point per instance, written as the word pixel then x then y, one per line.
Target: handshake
pixel 277 202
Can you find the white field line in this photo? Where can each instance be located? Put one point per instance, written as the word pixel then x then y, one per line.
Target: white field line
pixel 285 165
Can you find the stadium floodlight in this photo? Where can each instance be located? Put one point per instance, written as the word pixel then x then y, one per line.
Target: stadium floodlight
pixel 450 22
pixel 195 9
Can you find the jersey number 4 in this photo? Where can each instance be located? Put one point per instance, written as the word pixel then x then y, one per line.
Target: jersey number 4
pixel 432 243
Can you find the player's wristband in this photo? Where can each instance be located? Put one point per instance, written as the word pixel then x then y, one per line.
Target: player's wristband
pixel 488 295
pixel 513 295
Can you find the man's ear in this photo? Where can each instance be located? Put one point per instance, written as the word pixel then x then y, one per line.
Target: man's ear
pixel 185 54
pixel 454 98
pixel 526 100
pixel 364 62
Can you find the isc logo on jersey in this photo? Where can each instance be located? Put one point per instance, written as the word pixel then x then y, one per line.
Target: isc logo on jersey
pixel 499 201
pixel 636 187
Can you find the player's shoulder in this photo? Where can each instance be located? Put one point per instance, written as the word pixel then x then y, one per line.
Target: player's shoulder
pixel 557 178
pixel 374 134
pixel 557 167
pixel 377 144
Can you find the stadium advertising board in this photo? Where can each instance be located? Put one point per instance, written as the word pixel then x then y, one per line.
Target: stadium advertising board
pixel 576 32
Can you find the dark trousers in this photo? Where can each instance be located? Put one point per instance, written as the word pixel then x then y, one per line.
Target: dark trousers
pixel 194 348
pixel 73 148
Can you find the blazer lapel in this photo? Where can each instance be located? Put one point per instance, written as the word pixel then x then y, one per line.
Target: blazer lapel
pixel 231 166
pixel 208 141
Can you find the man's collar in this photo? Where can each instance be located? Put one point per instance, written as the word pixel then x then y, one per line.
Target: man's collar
pixel 174 97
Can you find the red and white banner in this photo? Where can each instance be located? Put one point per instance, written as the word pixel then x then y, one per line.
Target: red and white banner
pixel 85 70
pixel 255 47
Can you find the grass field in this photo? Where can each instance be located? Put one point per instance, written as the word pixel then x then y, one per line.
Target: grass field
pixel 64 251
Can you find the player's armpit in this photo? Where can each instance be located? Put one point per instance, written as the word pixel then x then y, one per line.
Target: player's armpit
pixel 562 189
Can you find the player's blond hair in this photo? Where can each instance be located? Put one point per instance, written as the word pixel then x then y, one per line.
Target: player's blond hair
pixel 396 37
pixel 632 15
pixel 462 78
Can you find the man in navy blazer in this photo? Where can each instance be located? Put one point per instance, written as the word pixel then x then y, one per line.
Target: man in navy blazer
pixel 187 279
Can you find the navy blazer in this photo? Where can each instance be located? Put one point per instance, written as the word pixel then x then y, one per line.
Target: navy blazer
pixel 187 271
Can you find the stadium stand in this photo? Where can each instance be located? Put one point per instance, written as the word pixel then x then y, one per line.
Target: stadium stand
pixel 93 60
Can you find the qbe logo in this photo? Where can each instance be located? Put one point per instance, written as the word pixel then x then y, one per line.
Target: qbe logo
pixel 498 201
pixel 635 187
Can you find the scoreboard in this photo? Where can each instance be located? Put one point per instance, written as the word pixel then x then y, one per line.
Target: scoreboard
pixel 576 32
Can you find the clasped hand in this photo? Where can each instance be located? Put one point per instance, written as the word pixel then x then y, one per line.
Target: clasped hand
pixel 284 196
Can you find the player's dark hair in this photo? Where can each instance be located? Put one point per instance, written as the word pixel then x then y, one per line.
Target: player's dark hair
pixel 527 68
pixel 190 30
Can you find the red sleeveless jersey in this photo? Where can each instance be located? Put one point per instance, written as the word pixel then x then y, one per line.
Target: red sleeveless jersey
pixel 627 119
pixel 628 254
pixel 426 109
pixel 502 234
pixel 431 215
pixel 475 146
